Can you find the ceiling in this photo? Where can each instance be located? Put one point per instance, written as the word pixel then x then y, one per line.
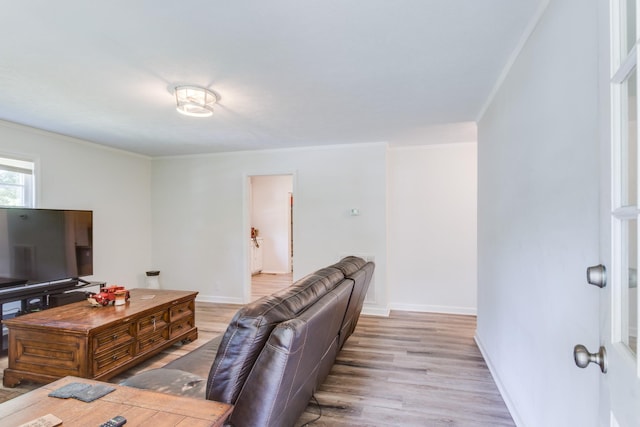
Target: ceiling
pixel 290 73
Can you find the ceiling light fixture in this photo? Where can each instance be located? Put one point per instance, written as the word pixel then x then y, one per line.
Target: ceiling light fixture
pixel 195 101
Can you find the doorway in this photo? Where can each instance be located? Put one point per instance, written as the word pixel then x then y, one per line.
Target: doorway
pixel 271 243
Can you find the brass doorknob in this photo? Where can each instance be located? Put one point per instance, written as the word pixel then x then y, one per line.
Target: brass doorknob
pixel 582 357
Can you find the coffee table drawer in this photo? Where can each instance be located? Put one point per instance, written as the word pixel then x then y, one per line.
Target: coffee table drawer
pixel 115 336
pixel 153 322
pixel 180 311
pixel 112 359
pixel 180 327
pixel 151 341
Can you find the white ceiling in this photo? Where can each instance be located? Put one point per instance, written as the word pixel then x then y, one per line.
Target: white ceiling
pixel 290 72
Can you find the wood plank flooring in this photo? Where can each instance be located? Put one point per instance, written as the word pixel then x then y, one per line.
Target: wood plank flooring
pixel 410 369
pixel 265 284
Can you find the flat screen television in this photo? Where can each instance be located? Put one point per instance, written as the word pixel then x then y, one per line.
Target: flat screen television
pixel 44 245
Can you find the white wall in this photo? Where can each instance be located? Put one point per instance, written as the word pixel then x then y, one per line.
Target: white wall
pixel 201 226
pixel 429 192
pixel 538 222
pixel 432 228
pixel 270 208
pixel 73 174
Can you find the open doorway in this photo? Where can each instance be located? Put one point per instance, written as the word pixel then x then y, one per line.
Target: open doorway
pixel 271 245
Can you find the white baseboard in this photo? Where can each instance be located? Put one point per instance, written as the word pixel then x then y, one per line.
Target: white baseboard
pixel 274 272
pixel 423 308
pixel 372 310
pixel 496 378
pixel 368 309
pixel 219 299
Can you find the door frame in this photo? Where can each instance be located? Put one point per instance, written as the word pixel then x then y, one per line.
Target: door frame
pixel 246 222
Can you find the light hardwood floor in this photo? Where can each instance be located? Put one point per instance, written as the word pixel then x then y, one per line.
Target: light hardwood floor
pixel 266 284
pixel 408 369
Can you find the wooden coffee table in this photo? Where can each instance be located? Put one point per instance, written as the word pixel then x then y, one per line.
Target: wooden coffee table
pixel 97 342
pixel 139 407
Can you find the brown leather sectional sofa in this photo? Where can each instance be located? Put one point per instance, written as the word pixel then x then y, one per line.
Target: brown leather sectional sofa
pixel 276 351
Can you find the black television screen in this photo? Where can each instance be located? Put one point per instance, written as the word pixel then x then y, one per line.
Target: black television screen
pixel 44 245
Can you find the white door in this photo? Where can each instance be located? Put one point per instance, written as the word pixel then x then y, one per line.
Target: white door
pixel 620 386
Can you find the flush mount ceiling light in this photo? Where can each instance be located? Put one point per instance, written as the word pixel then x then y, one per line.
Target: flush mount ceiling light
pixel 195 101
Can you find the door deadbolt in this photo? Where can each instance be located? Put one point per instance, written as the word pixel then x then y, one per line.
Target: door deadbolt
pixel 582 357
pixel 597 275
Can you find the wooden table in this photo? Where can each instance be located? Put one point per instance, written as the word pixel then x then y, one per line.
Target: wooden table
pixel 97 342
pixel 139 407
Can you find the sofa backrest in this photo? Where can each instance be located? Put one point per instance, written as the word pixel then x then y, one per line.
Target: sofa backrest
pixel 252 325
pixel 349 265
pixel 286 372
pixel 361 279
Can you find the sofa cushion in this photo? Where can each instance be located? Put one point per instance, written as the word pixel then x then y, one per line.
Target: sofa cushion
pixel 170 381
pixel 309 289
pixel 349 265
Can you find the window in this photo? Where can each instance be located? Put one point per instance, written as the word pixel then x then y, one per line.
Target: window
pixel 16 183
